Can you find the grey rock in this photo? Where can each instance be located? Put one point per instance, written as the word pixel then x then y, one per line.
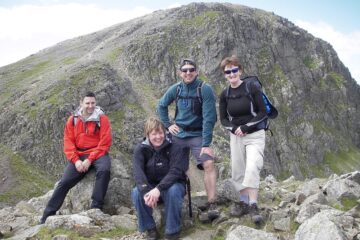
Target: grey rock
pixel 300 198
pixel 282 224
pixel 61 237
pixel 341 187
pixel 311 187
pixel 326 225
pixel 246 233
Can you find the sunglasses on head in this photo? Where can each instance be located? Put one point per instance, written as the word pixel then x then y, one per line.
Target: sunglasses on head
pixel 185 70
pixel 234 70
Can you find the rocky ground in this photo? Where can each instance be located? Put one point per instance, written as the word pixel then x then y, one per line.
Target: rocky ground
pixel 313 209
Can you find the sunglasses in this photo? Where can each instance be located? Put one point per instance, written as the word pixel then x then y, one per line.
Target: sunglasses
pixel 185 70
pixel 234 70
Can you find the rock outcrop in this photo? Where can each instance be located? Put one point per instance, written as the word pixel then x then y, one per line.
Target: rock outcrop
pixel 318 217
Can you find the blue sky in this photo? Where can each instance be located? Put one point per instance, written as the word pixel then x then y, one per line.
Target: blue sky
pixel 27 26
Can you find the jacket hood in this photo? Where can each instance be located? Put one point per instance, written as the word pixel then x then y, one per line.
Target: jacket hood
pixel 94 117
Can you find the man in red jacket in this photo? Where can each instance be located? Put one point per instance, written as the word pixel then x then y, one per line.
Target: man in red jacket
pixel 87 139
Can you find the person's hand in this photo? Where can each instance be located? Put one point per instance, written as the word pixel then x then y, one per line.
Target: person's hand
pixel 239 133
pixel 152 197
pixel 78 165
pixel 174 129
pixel 86 164
pixel 207 150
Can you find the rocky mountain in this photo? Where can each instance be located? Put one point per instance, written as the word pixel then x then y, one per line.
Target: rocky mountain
pixel 130 65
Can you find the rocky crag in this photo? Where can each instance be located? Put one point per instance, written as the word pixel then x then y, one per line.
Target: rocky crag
pixel 316 209
pixel 130 65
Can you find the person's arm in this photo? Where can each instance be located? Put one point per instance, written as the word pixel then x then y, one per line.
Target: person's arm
pixel 70 149
pixel 179 163
pixel 164 103
pixel 139 162
pixel 224 116
pixel 208 114
pixel 261 115
pixel 105 140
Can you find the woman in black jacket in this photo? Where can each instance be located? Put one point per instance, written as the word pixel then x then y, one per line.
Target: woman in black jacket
pixel 159 172
pixel 243 113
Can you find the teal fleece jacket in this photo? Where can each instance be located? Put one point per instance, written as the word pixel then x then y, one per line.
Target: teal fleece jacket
pixel 185 115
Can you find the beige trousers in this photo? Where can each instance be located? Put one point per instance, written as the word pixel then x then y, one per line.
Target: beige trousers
pixel 247 155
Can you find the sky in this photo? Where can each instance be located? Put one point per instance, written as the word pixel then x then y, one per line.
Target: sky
pixel 28 26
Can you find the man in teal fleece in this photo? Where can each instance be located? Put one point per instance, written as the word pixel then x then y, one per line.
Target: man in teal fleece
pixel 192 128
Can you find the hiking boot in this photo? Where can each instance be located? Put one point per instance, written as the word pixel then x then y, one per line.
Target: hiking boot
pixel 152 234
pixel 254 213
pixel 42 220
pixel 172 236
pixel 213 211
pixel 239 209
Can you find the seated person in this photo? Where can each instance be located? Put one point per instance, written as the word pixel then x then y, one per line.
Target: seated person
pixel 159 172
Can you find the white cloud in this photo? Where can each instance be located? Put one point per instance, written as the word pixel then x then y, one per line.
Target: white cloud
pixel 27 29
pixel 347 45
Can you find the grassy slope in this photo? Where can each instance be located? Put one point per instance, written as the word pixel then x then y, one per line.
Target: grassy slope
pixel 27 181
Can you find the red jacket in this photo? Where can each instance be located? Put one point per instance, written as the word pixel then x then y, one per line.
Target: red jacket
pixel 86 138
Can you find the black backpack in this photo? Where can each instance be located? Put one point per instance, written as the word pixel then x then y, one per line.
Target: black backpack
pixel 271 111
pixel 197 101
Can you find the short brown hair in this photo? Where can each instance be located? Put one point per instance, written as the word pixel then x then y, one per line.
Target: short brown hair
pixel 151 124
pixel 233 60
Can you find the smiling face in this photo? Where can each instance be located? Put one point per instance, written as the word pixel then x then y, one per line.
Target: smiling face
pixel 232 74
pixel 188 73
pixel 88 106
pixel 156 137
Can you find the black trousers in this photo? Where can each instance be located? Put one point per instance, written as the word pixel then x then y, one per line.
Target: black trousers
pixel 71 177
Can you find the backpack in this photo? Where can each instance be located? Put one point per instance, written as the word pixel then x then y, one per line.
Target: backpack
pixel 271 111
pixel 197 101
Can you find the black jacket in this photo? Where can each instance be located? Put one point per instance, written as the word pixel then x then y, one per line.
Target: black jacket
pixel 159 168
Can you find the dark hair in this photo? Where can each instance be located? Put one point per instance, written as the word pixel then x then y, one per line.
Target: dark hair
pixel 186 61
pixel 88 94
pixel 233 60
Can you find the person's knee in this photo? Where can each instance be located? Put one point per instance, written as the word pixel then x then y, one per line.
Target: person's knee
pixel 176 190
pixel 209 166
pixel 103 174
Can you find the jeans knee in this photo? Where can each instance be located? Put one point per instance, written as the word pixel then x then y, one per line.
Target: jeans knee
pixel 103 174
pixel 176 191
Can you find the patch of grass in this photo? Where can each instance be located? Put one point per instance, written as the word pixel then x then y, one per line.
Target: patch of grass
pixel 114 54
pixel 30 180
pixel 199 20
pixel 46 233
pixel 332 81
pixel 348 202
pixel 337 79
pixel 35 70
pixel 344 161
pixel 69 60
pixel 311 63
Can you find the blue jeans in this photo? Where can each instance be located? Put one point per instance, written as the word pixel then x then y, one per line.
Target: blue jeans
pixel 172 198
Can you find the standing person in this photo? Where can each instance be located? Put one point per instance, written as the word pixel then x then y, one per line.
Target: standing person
pixel 159 172
pixel 243 117
pixel 193 125
pixel 87 139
